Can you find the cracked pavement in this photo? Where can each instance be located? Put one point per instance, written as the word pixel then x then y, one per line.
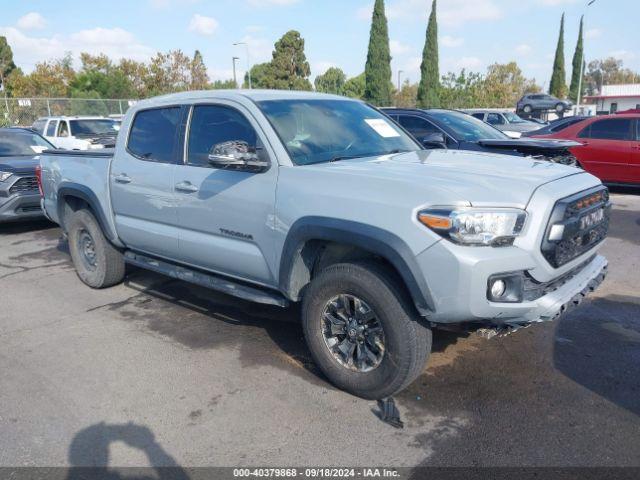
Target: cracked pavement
pixel 95 377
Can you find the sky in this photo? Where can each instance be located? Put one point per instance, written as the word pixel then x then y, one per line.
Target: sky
pixel 472 33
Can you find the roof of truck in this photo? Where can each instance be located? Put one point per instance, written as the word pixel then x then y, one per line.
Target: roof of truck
pixel 255 95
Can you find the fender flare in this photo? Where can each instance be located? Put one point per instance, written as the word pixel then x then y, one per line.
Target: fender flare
pixel 372 239
pixel 70 189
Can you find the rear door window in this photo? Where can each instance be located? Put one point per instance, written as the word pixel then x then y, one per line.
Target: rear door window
pixel 154 134
pixel 51 128
pixel 609 129
pixel 479 116
pixel 418 127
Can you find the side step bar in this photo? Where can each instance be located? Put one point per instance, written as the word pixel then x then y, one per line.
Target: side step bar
pixel 206 280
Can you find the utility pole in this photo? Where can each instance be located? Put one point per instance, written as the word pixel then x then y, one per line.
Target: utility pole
pixel 235 81
pixel 579 96
pixel 246 47
pixel 400 72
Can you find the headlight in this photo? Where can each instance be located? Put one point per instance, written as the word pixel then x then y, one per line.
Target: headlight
pixel 5 175
pixel 475 226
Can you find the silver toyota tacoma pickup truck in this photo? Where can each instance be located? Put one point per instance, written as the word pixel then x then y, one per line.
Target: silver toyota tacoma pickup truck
pixel 281 197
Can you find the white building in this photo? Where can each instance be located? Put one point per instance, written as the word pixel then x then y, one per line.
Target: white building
pixel 616 98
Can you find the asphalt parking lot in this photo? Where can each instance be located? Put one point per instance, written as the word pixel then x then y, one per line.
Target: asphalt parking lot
pixel 159 371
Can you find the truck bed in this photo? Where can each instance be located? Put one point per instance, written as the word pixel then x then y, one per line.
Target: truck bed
pixel 86 171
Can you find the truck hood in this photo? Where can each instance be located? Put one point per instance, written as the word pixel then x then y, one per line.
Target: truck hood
pixel 457 176
pixel 19 164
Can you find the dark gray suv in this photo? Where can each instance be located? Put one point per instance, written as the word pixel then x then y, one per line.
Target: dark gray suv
pixel 542 101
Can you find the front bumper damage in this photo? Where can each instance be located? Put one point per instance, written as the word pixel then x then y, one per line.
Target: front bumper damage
pixel 556 305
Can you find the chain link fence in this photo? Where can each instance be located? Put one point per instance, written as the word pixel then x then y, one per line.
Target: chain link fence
pixel 24 111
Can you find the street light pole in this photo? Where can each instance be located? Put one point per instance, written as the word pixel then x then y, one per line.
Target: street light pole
pixel 400 72
pixel 579 95
pixel 246 46
pixel 235 81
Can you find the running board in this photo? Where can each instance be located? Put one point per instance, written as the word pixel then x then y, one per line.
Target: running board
pixel 207 280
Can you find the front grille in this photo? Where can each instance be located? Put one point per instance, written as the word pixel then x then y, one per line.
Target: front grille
pixel 25 185
pixel 584 222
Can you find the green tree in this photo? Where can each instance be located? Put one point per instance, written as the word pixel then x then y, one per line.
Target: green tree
pixel 609 71
pixel 576 65
pixel 6 60
pixel 48 79
pixel 168 72
pixel 558 85
pixel 198 73
pixel 378 67
pixel 463 90
pixel 331 81
pixel 407 96
pixel 428 91
pixel 289 67
pixel 223 84
pixel 505 84
pixel 355 87
pixel 261 76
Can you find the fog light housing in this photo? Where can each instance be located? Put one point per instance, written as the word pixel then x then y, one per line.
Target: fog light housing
pixel 505 287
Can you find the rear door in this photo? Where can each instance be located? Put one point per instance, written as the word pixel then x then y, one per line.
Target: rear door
pixel 141 180
pixel 607 147
pixel 226 216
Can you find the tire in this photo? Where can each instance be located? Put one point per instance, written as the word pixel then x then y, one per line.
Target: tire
pixel 527 109
pixel 407 343
pixel 105 267
pixel 559 108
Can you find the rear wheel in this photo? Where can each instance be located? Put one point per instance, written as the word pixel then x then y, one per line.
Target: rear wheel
pixel 363 331
pixel 559 108
pixel 97 262
pixel 527 109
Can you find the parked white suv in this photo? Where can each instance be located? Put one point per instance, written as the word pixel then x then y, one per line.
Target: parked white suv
pixel 78 133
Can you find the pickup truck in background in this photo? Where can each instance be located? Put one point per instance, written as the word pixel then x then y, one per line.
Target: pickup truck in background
pixel 78 133
pixel 283 197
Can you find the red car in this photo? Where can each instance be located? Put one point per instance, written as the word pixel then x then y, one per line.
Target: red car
pixel 610 147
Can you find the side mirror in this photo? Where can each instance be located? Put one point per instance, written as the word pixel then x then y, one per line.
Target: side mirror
pixel 237 155
pixel 434 140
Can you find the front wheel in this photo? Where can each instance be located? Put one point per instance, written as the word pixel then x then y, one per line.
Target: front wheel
pixel 559 108
pixel 527 109
pixel 363 331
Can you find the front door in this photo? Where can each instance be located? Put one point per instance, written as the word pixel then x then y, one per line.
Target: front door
pixel 142 181
pixel 226 216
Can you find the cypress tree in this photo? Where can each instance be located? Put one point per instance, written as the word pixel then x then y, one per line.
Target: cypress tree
pixel 378 68
pixel 558 86
pixel 429 88
pixel 578 56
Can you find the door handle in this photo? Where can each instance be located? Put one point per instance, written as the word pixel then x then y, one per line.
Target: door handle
pixel 122 178
pixel 186 187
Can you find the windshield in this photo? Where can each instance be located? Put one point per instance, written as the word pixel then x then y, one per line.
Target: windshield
pixel 513 118
pixel 465 127
pixel 22 144
pixel 316 131
pixel 94 127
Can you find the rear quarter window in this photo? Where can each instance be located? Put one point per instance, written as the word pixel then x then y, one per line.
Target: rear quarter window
pixel 154 134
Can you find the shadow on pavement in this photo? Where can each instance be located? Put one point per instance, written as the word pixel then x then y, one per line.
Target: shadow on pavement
pixel 598 347
pixel 89 454
pixel 16 228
